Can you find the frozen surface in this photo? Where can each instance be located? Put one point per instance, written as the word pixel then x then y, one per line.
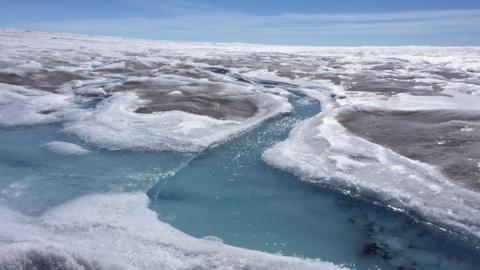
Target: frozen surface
pixel 114 125
pixel 449 139
pixel 354 164
pixel 229 193
pixel 66 148
pixel 104 232
pixel 21 106
pixel 52 214
pixel 149 109
pixel 112 97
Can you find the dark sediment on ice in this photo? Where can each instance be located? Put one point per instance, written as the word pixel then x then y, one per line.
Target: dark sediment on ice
pixel 208 99
pixel 42 79
pixel 445 138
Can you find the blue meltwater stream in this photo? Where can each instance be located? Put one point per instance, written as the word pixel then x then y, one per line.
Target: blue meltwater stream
pixel 228 192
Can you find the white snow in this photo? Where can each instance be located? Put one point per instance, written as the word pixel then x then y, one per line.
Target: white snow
pixel 319 149
pixel 114 125
pixel 21 106
pixel 322 151
pixel 119 231
pixel 66 148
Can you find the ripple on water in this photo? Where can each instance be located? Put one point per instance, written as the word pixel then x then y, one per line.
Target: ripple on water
pixel 229 193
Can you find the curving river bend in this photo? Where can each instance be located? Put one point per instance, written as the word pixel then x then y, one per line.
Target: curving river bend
pixel 229 193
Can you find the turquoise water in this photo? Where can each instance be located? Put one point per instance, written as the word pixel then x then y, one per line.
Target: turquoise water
pixel 230 193
pixel 33 179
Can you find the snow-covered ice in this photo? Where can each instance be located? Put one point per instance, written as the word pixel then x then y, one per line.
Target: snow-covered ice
pixel 118 231
pixel 66 148
pixel 128 94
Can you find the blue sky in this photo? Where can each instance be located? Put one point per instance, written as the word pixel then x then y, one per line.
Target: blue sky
pixel 303 22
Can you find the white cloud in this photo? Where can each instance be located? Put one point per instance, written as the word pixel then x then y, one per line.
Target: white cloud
pixel 211 25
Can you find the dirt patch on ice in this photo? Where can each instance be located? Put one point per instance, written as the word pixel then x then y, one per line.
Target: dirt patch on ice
pixel 210 99
pixel 43 79
pixel 391 85
pixel 445 138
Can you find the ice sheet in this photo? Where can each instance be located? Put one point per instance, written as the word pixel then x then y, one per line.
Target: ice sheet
pixel 66 148
pixel 114 125
pixel 118 231
pixel 21 106
pixel 323 151
pixel 91 85
pixel 115 100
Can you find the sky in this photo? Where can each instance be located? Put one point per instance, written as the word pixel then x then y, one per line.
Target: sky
pixel 289 22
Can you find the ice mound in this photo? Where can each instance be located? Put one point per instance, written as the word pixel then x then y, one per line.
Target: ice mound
pixel 66 148
pixel 321 150
pixel 418 80
pixel 448 139
pixel 148 98
pixel 118 231
pixel 114 125
pixel 23 257
pixel 21 106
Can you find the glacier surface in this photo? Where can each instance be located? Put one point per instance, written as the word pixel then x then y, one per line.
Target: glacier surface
pixel 121 94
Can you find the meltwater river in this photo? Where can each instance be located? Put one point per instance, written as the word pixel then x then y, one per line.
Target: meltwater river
pixel 229 193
